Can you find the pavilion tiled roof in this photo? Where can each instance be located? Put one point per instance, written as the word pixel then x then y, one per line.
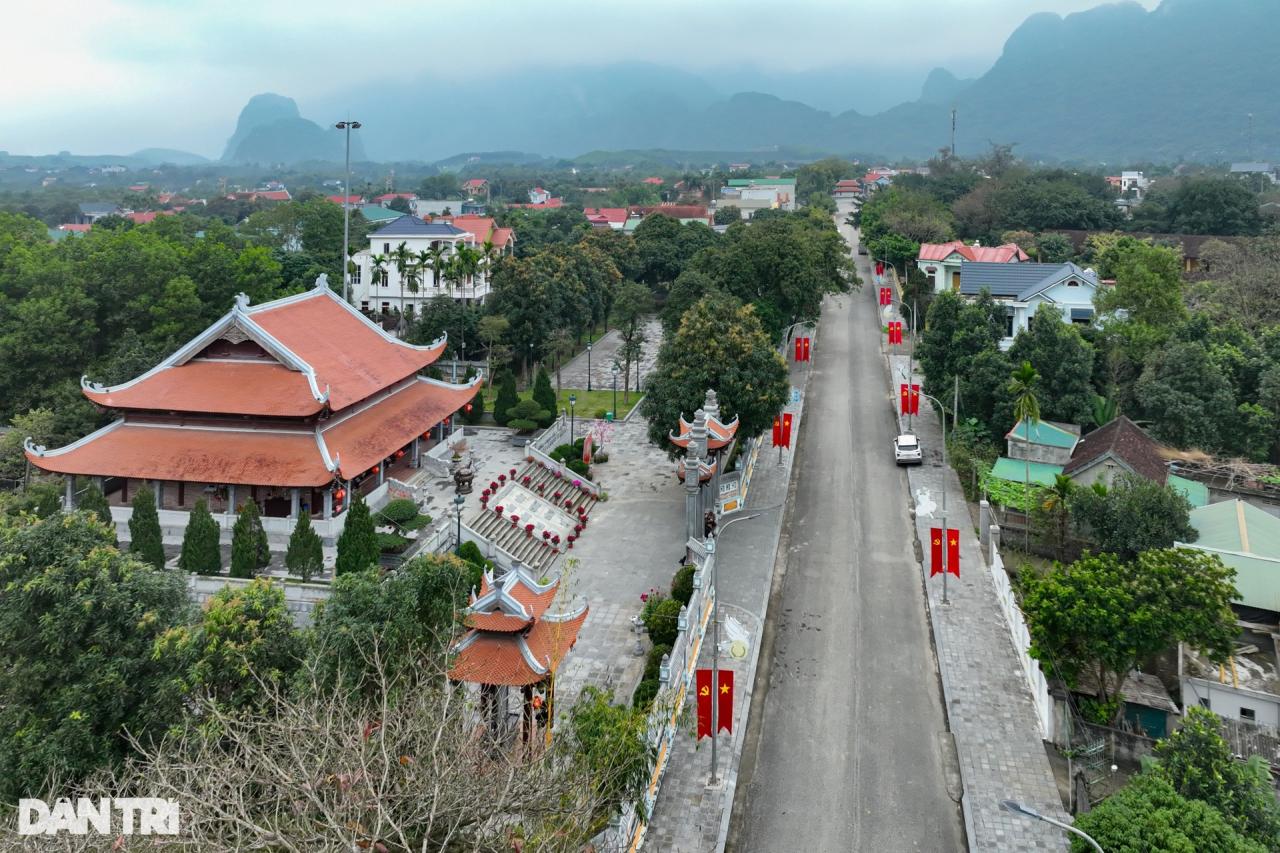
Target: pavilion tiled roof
pixel 339 354
pixel 512 603
pixel 718 434
pixel 516 659
pixel 248 456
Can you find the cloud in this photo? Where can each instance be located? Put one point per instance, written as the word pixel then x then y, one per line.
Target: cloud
pixel 127 73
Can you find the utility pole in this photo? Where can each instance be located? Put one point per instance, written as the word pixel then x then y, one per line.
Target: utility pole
pixel 347 126
pixel 953 133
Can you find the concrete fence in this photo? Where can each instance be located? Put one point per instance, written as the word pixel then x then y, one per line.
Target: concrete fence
pixel 299 598
pixel 1020 636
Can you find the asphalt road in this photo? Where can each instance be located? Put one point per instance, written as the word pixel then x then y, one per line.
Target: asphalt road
pixel 844 749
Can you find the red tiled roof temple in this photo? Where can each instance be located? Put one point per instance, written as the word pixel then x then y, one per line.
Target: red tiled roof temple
pixel 296 392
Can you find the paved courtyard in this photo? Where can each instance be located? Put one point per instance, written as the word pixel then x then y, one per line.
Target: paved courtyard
pixel 603 354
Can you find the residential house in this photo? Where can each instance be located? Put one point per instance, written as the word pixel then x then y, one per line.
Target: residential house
pixel 941 261
pixel 654 181
pixel 1036 453
pixel 386 198
pixel 351 201
pixel 424 208
pixel 1247 688
pixel 476 187
pixel 1148 709
pixel 538 195
pixel 143 217
pixel 1129 184
pixel 471 207
pixel 382 293
pixel 1260 171
pixel 90 212
pixel 376 213
pixel 752 194
pixel 1123 447
pixel 606 217
pixel 1023 288
pixel 739 167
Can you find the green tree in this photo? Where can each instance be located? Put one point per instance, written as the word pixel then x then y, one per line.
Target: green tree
pixel 408 616
pixel 1053 248
pixel 144 528
pixel 1026 410
pixel 1104 616
pixel 94 502
pixel 544 397
pixel 40 425
pixel 249 549
pixel 720 345
pixel 243 647
pixel 1133 515
pixel 1212 206
pixel 201 553
pixel 1064 362
pixel 685 291
pixel 358 544
pixel 78 621
pixel 612 744
pixel 506 399
pixel 1148 814
pixel 305 556
pixel 1186 396
pixel 1148 285
pixel 1051 513
pixel 727 214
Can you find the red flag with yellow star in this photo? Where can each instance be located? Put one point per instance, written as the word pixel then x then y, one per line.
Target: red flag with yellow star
pixel 953 551
pixel 702 684
pixel 724 696
pixel 935 551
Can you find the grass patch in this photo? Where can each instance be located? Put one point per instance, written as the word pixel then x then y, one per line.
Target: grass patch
pixel 595 400
pixel 416 523
pixel 392 543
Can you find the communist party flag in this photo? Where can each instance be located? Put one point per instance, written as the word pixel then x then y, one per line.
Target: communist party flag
pixel 586 449
pixel 777 431
pixel 879 268
pixel 806 349
pixel 799 349
pixel 935 551
pixel 953 551
pixel 724 696
pixel 886 297
pixel 786 429
pixel 905 407
pixel 915 399
pixel 703 685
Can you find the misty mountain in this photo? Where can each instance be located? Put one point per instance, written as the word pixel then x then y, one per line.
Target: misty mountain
pixel 1115 83
pixel 272 130
pixel 161 156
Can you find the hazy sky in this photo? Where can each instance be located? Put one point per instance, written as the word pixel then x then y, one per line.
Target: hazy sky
pixel 99 76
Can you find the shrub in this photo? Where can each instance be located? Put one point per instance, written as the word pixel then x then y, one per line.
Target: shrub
pixel 391 543
pixel 526 416
pixel 545 396
pixel 144 529
pixel 506 398
pixel 357 546
pixel 662 621
pixel 477 408
pixel 682 584
pixel 249 549
pixel 646 692
pixel 578 467
pixel 200 552
pixel 400 510
pixel 305 556
pixel 601 414
pixel 600 457
pixel 654 662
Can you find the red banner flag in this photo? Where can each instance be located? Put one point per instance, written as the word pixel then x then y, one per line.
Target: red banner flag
pixel 586 449
pixel 786 429
pixel 915 399
pixel 724 696
pixel 777 431
pixel 904 406
pixel 935 551
pixel 703 684
pixel 888 295
pixel 879 268
pixel 953 551
pixel 799 349
pixel 806 349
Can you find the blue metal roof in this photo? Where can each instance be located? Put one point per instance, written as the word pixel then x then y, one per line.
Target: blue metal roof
pixel 411 226
pixel 1016 281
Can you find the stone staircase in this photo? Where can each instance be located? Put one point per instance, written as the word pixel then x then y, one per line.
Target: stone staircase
pixel 530 496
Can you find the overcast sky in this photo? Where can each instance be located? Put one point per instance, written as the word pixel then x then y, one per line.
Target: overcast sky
pixel 113 76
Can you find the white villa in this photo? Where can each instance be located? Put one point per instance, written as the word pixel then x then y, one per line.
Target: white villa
pixel 1023 288
pixel 431 271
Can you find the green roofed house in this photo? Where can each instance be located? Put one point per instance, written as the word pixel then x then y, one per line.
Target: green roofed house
pixel 1247 539
pixel 1015 471
pixel 1050 442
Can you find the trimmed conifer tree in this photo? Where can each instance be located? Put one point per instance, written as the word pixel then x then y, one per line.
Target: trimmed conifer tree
pixel 200 552
pixel 507 398
pixel 305 557
pixel 545 396
pixel 249 549
pixel 358 544
pixel 144 529
pixel 93 501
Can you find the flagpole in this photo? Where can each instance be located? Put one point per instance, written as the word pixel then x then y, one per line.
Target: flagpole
pixel 946 535
pixel 710 544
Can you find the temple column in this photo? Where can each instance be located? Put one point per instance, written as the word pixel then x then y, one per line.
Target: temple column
pixel 415 459
pixel 382 472
pixel 124 490
pixel 693 456
pixel 159 488
pixel 69 493
pixel 328 503
pixel 295 501
pixel 231 497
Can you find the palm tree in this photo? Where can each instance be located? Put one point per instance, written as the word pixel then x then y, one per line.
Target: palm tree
pixel 1026 411
pixel 1105 409
pixel 437 253
pixel 488 257
pixel 424 264
pixel 1054 502
pixel 468 260
pixel 378 274
pixel 404 258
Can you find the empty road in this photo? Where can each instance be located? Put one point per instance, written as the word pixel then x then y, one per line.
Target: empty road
pixel 844 750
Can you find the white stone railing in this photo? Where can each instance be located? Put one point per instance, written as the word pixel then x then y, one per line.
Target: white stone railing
pixel 1021 638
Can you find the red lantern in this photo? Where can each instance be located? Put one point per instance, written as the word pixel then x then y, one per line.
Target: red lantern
pixel 373 470
pixel 340 494
pixel 399 454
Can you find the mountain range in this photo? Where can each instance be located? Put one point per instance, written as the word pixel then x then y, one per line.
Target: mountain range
pixel 1191 79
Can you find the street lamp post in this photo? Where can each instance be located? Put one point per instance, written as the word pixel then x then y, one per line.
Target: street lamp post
pixel 573 399
pixel 1014 807
pixel 588 362
pixel 615 370
pixel 347 126
pixel 943 410
pixel 457 508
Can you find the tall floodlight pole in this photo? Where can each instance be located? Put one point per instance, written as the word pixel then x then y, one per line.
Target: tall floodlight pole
pixel 346 126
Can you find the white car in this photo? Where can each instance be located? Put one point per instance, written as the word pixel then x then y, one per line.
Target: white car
pixel 906 450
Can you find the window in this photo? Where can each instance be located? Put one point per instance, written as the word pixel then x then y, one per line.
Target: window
pixel 1008 323
pixel 355 274
pixel 1248 714
pixel 364 305
pixel 386 308
pixel 1072 283
pixel 386 248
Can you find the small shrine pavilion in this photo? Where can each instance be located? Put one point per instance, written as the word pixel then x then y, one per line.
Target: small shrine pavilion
pixel 514 641
pixel 704 440
pixel 295 404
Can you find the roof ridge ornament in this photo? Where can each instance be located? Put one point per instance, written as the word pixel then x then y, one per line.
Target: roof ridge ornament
pixel 322 282
pixel 242 301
